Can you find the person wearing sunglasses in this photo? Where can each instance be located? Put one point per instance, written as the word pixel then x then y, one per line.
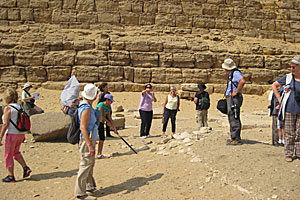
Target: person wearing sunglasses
pixel 146 111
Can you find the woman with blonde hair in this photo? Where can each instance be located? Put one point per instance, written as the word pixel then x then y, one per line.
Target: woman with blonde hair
pixel 170 108
pixel 13 137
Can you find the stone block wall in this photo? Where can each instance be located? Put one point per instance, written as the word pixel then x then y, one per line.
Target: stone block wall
pixel 130 43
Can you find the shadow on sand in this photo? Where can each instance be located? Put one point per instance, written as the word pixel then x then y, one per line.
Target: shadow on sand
pixel 60 174
pixel 128 186
pixel 247 141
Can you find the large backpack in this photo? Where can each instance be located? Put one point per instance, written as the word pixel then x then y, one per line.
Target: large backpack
pixel 74 129
pixel 23 120
pixel 203 102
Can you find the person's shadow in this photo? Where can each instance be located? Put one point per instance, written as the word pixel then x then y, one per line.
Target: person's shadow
pixel 128 186
pixel 60 174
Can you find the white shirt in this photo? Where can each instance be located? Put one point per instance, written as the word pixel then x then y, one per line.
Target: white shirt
pixel 13 116
pixel 172 103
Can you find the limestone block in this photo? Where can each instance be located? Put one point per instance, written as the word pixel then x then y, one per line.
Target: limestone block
pixel 282 26
pixel 88 17
pixel 167 8
pixel 91 57
pixel 140 59
pixel 204 22
pixel 238 23
pixel 119 122
pixel 173 45
pixel 137 6
pixel 210 9
pixel 227 12
pixel 128 73
pixel 54 85
pixel 83 44
pixel 111 73
pixel 161 87
pixel 117 45
pixel 119 58
pixel 102 43
pixel 190 87
pixel 194 75
pixel 36 74
pixel 115 86
pixel 63 16
pixel 294 14
pixel 133 87
pixel 86 73
pixel 54 42
pixel 13 14
pixel 23 3
pixel 220 88
pixel 42 15
pixel 12 74
pixel 253 89
pixel 261 76
pixel 9 42
pixel 6 57
pixel 217 76
pixel 204 60
pixel 28 58
pixel 150 7
pixel 39 4
pixel 165 20
pixel 183 60
pixel 51 126
pixel 147 19
pixel 223 24
pixel 251 61
pixel 109 17
pixel 8 3
pixel 273 62
pixel 107 5
pixel 186 94
pixel 165 59
pixel 3 14
pixel 26 14
pixel 191 8
pixel 130 18
pixel 85 5
pixel 295 26
pixel 59 58
pixel 155 44
pixel 166 75
pixel 55 4
pixel 197 45
pixel 184 21
pixel 142 75
pixel 137 45
pixel 69 4
pixel 58 73
pixel 117 108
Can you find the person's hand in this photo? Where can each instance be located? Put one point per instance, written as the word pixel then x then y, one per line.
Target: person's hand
pixel 32 97
pixel 277 107
pixel 115 131
pixel 153 94
pixel 38 94
pixel 108 124
pixel 1 141
pixel 91 150
pixel 234 94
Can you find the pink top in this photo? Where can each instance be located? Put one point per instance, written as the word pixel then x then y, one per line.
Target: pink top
pixel 146 102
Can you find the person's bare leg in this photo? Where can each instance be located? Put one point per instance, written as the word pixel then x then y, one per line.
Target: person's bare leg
pixel 10 171
pixel 100 147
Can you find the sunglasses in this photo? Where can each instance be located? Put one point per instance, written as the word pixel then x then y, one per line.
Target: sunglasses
pixel 149 87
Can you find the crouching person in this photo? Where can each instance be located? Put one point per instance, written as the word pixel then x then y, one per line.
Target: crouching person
pixel 88 136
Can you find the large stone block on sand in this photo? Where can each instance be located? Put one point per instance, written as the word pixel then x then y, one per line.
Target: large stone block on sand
pixel 119 122
pixel 51 126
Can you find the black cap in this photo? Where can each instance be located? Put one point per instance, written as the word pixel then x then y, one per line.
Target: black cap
pixel 201 86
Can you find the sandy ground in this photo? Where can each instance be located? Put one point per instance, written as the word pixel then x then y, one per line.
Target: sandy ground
pixel 255 170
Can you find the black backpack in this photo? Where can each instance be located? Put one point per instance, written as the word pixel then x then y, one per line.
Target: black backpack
pixel 203 102
pixel 74 129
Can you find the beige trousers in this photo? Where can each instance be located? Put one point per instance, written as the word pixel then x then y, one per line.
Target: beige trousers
pixel 85 180
pixel 201 118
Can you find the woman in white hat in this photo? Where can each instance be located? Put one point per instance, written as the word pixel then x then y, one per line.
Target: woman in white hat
pixel 88 136
pixel 290 108
pixel 29 106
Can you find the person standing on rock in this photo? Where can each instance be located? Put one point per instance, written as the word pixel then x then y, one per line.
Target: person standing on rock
pixel 289 110
pixel 103 113
pixel 202 105
pixel 171 106
pixel 88 136
pixel 234 99
pixel 29 106
pixel 104 90
pixel 13 137
pixel 146 111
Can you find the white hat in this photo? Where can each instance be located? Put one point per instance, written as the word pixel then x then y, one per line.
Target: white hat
pixel 89 91
pixel 27 85
pixel 296 60
pixel 228 64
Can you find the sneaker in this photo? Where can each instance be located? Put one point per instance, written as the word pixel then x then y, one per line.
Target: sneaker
pixel 26 172
pixel 149 136
pixel 9 179
pixel 86 197
pixel 101 156
pixel 234 142
pixel 143 137
pixel 288 159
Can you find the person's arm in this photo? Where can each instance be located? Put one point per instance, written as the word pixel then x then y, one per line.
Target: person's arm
pixel 6 114
pixel 84 122
pixel 178 103
pixel 275 87
pixel 240 87
pixel 112 123
pixel 143 92
pixel 166 101
pixel 28 98
pixel 102 118
pixel 195 99
pixel 154 98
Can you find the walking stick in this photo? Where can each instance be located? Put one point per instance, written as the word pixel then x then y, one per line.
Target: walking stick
pixel 126 143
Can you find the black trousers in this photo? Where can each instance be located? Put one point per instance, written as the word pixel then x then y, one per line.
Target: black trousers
pixel 169 114
pixel 146 117
pixel 107 128
pixel 235 124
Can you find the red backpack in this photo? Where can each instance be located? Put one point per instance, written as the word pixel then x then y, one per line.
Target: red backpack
pixel 23 120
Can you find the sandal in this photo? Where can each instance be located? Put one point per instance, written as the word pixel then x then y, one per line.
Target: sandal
pixel 27 172
pixel 288 159
pixel 9 179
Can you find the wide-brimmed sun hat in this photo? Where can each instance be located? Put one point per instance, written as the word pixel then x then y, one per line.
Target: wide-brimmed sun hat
pixel 202 86
pixel 228 64
pixel 110 97
pixel 89 92
pixel 27 85
pixel 296 60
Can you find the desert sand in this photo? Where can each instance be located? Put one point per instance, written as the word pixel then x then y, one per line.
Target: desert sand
pixel 255 170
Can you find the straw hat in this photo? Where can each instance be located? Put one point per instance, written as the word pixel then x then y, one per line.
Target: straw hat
pixel 296 60
pixel 27 85
pixel 89 91
pixel 228 64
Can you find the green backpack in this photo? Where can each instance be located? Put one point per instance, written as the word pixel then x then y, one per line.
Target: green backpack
pixel 204 103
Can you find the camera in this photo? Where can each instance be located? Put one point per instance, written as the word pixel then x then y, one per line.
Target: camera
pixel 235 112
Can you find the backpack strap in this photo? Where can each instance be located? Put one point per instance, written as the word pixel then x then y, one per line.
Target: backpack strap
pixel 288 79
pixel 11 121
pixel 27 92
